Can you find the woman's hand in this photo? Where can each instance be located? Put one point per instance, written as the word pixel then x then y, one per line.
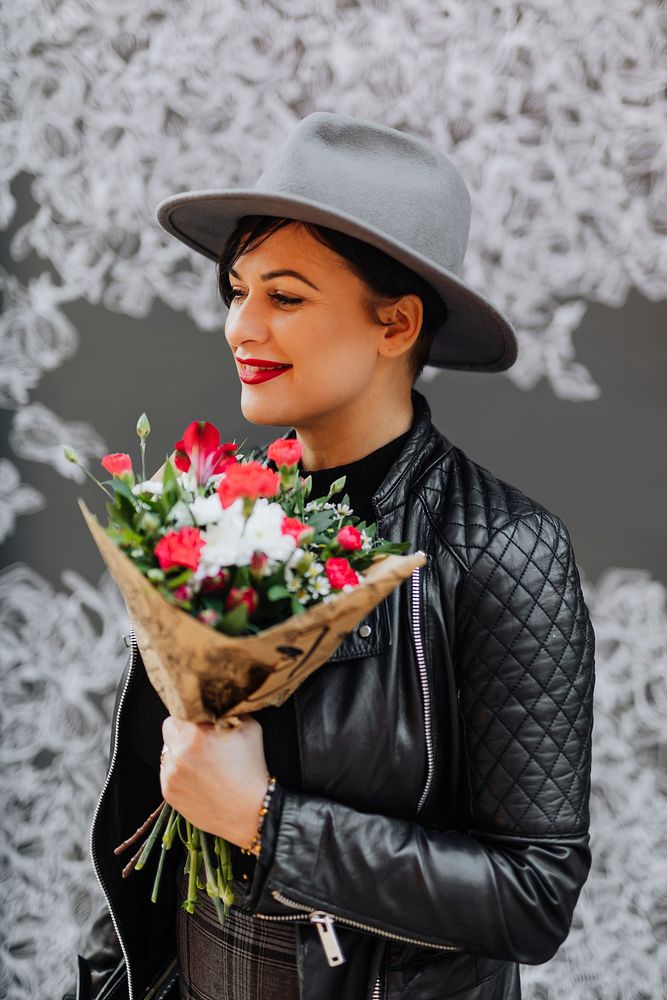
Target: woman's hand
pixel 216 779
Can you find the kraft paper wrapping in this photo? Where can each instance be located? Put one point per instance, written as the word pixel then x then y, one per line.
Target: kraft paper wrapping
pixel 205 676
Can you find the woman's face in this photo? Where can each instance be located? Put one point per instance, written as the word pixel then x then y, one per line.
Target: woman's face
pixel 317 325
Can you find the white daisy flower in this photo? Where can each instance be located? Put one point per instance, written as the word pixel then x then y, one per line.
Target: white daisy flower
pixel 320 585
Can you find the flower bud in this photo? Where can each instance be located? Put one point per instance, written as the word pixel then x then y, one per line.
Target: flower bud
pixel 70 454
pixel 149 522
pixel 242 595
pixel 336 486
pixel 143 427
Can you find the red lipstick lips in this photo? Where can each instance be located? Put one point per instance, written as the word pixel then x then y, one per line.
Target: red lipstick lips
pixel 251 373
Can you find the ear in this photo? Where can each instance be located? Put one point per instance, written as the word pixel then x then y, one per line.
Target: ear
pixel 403 321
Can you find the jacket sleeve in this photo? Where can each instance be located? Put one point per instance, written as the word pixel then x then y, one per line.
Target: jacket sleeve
pixel 506 886
pixel 101 951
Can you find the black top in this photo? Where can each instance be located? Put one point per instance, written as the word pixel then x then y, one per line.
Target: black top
pixel 363 478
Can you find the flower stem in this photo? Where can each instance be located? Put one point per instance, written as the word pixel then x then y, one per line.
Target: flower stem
pixel 193 857
pixel 101 486
pixel 142 829
pixel 153 836
pixel 167 840
pixel 211 885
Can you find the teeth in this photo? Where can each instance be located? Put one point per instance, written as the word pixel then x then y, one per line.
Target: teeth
pixel 269 368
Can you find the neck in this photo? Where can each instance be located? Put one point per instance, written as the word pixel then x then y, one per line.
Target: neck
pixel 341 438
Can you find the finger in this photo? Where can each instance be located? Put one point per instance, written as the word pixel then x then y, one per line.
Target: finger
pixel 174 731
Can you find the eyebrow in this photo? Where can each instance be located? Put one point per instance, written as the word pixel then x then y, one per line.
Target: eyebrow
pixel 276 274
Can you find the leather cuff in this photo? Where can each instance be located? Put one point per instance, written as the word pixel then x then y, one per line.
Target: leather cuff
pixel 264 860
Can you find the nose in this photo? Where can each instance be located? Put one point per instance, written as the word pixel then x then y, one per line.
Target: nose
pixel 246 324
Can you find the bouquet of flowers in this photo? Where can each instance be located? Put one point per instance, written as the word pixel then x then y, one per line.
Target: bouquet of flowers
pixel 239 585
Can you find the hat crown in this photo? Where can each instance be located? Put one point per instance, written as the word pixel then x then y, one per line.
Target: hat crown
pixel 363 170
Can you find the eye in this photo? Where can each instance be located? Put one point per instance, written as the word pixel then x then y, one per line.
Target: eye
pixel 285 299
pixel 282 300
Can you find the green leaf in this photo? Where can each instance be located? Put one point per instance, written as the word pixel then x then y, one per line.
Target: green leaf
pixel 171 492
pixel 234 622
pixel 277 592
pixel 321 520
pixel 176 581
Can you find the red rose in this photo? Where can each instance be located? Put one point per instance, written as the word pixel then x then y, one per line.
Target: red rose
pixel 242 595
pixel 340 573
pixel 284 451
pixel 117 463
pixel 181 593
pixel 249 480
pixel 349 538
pixel 296 528
pixel 180 548
pixel 200 449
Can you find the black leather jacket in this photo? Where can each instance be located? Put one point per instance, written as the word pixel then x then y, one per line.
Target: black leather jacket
pixel 443 821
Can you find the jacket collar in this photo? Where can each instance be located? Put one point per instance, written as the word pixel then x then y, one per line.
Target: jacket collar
pixel 415 457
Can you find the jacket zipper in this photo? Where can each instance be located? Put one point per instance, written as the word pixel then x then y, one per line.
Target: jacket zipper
pixel 98 873
pixel 331 945
pixel 415 616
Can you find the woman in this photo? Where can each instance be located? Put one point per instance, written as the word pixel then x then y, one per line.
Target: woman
pixel 428 828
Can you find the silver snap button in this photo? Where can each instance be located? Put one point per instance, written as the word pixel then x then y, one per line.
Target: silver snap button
pixel 365 631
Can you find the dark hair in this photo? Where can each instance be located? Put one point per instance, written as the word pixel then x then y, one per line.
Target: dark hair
pixel 385 277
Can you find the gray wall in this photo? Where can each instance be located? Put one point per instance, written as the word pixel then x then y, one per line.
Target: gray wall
pixel 556 117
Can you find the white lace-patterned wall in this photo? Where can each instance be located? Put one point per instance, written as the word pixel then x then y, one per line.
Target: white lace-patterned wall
pixel 555 113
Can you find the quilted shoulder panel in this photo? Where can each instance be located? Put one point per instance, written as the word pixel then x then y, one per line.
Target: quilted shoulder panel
pixel 468 502
pixel 525 660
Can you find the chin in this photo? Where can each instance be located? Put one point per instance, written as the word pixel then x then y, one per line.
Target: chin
pixel 263 411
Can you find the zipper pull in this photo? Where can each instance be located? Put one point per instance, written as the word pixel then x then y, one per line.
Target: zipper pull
pixel 328 937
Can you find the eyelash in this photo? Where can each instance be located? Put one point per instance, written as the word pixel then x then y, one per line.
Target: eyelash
pixel 283 300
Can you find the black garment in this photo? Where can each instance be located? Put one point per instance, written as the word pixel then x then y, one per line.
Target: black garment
pixel 363 477
pixel 441 833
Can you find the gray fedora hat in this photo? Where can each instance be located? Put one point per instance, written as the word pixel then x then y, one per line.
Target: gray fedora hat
pixel 382 186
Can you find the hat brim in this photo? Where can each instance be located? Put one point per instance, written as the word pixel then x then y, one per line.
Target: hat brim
pixel 475 336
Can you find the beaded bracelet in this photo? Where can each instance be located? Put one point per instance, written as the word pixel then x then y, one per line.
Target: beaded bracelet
pixel 255 845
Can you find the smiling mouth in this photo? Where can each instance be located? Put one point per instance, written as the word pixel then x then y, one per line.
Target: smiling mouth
pixel 253 374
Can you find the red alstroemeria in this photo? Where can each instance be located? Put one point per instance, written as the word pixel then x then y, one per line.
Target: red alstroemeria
pixel 180 548
pixel 117 463
pixel 284 451
pixel 340 573
pixel 248 480
pixel 200 450
pixel 350 538
pixel 296 528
